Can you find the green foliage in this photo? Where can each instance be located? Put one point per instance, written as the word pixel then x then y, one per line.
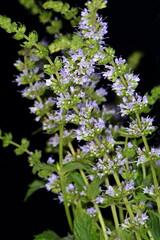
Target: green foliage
pixel 23 147
pixel 63 8
pixel 93 189
pixel 124 235
pixel 30 4
pixel 140 197
pixel 78 189
pixel 84 227
pixel 55 5
pixel 6 139
pixel 43 169
pixel 55 26
pixel 41 51
pixel 54 68
pixel 5 23
pixel 33 187
pixel 143 232
pixel 47 235
pixel 154 224
pixel 34 158
pixel 20 32
pixel 134 59
pixel 60 43
pixel 33 37
pixel 69 237
pixel 155 95
pixel 51 235
pixel 77 179
pixel 71 166
pixel 45 16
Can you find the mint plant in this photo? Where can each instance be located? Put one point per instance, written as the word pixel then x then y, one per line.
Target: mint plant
pixel 100 154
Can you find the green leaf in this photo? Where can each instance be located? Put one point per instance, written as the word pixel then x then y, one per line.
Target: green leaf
pixel 93 188
pixel 147 181
pixel 47 235
pixel 7 138
pixel 42 51
pixel 134 59
pixel 45 16
pixel 12 28
pixel 154 224
pixel 19 151
pixel 55 26
pixel 69 237
pixel 35 158
pixel 20 32
pixel 84 227
pixel 33 187
pixel 43 166
pixel 24 143
pixel 60 43
pixel 124 235
pixel 33 37
pixel 30 4
pixel 77 179
pixel 143 233
pixel 55 5
pixel 139 197
pixel 71 166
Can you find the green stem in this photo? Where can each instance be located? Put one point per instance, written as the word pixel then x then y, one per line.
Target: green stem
pixel 113 209
pixel 37 46
pixel 62 179
pixel 128 207
pixel 18 146
pixel 115 218
pixel 121 214
pixel 126 144
pixel 156 186
pixel 100 217
pixel 71 148
pixel 155 181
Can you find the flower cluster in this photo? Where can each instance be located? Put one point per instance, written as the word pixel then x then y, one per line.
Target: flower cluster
pixel 99 151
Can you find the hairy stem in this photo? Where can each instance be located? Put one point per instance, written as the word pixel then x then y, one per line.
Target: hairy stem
pixel 62 179
pixel 115 217
pixel 18 146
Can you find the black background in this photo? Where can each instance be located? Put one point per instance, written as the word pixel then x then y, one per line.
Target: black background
pixel 133 25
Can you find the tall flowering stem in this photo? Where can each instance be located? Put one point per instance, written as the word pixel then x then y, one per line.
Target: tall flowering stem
pixel 99 155
pixel 62 179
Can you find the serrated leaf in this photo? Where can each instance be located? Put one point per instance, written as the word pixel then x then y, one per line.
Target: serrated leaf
pixel 71 166
pixel 18 36
pixel 124 235
pixel 24 143
pixel 154 224
pixel 35 158
pixel 139 197
pixel 43 166
pixel 69 237
pixel 47 235
pixel 84 227
pixel 93 188
pixel 19 151
pixel 7 138
pixel 77 179
pixel 55 5
pixel 143 233
pixel 42 51
pixel 33 37
pixel 33 187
